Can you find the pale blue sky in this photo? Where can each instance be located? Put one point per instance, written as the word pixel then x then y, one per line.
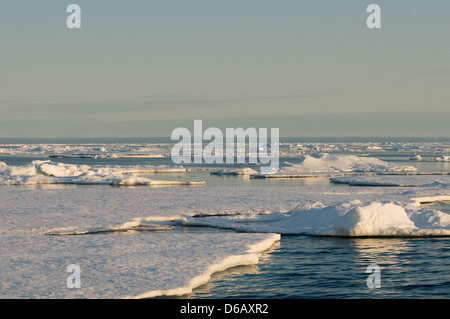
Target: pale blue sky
pixel 143 68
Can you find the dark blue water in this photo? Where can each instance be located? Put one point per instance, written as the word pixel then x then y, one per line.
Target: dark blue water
pixel 335 268
pixel 312 267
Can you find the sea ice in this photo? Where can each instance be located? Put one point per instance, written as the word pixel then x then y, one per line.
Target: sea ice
pixel 48 172
pixel 141 254
pixel 235 171
pixel 442 159
pixel 375 219
pixel 394 180
pixel 146 264
pixel 324 164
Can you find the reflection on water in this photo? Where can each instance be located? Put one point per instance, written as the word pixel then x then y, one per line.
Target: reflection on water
pixel 310 267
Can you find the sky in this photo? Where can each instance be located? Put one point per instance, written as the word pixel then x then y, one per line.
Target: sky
pixel 143 68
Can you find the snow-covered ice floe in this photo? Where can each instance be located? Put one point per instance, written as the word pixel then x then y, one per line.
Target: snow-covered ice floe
pixel 416 158
pixel 248 253
pixel 442 159
pixel 324 164
pixel 142 265
pixel 347 219
pixel 236 171
pixel 48 172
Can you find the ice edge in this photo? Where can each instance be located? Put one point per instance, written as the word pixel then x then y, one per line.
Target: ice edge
pixel 252 257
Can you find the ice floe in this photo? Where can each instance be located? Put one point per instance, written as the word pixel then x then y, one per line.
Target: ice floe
pixel 324 164
pixel 416 158
pixel 395 180
pixel 122 266
pixel 235 171
pixel 442 159
pixel 374 219
pixel 248 254
pixel 48 172
pixel 347 219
